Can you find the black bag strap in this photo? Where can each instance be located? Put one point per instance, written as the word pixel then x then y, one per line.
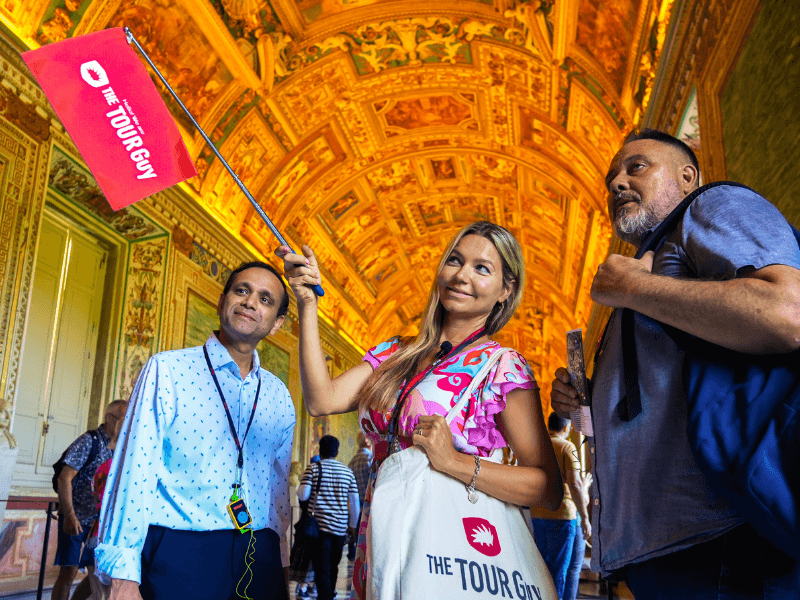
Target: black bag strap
pixel 315 493
pixel 95 447
pixel 93 451
pixel 631 404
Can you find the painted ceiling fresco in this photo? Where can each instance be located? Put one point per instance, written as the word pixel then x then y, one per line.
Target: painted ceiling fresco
pixel 374 129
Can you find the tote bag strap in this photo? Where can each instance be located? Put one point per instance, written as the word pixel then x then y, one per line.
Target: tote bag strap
pixel 479 377
pixel 316 490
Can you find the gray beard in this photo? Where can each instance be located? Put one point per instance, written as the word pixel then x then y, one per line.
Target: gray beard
pixel 631 228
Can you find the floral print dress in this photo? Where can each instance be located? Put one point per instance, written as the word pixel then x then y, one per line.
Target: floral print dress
pixel 474 429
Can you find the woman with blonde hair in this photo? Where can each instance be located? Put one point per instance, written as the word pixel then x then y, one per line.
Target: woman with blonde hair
pixel 406 386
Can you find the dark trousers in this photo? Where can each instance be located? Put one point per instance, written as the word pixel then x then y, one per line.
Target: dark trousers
pixel 739 565
pixel 208 565
pixel 326 554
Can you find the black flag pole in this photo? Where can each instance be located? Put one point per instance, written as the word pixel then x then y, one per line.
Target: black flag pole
pixel 131 39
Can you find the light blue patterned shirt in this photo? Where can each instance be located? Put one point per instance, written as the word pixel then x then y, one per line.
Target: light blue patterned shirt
pixel 176 457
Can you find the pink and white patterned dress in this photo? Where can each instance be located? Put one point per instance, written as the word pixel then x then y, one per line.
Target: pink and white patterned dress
pixel 474 429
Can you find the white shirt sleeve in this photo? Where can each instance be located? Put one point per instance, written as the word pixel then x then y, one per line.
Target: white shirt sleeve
pixel 303 492
pixel 355 508
pixel 306 482
pixel 130 489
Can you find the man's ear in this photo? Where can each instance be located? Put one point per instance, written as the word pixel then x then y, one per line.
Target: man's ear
pixel 219 304
pixel 689 179
pixel 277 324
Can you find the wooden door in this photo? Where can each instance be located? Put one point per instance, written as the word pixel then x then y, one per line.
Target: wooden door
pixel 60 345
pixel 31 407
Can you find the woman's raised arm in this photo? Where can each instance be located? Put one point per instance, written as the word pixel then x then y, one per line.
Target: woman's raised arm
pixel 322 395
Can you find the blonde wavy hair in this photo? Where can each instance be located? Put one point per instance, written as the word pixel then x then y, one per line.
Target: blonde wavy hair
pixel 380 391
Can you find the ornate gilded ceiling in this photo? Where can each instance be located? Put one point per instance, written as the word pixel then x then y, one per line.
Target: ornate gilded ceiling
pixel 373 130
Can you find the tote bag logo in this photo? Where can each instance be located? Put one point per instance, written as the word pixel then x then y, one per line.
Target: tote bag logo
pixel 482 536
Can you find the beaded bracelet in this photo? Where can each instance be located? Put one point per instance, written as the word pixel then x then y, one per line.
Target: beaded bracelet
pixel 471 493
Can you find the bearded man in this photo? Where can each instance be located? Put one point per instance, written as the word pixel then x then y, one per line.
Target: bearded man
pixel 729 273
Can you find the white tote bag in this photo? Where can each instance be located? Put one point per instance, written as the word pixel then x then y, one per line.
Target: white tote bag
pixel 427 541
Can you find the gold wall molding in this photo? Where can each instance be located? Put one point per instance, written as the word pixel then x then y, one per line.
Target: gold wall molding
pixel 733 26
pixel 97 16
pixel 142 311
pixel 26 16
pixel 24 177
pixel 176 206
pixel 390 11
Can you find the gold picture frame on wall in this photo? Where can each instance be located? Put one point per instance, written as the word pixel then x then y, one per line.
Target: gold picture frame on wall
pixel 275 359
pixel 201 319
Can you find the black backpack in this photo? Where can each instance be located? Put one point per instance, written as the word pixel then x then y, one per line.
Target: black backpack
pixel 58 466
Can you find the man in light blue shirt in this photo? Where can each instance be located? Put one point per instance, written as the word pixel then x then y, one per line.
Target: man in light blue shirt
pixel 207 428
pixel 728 273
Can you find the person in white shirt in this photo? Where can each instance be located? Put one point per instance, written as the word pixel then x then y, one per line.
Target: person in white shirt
pixel 207 428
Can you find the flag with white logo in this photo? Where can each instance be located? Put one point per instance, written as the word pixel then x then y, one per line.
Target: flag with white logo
pixel 113 112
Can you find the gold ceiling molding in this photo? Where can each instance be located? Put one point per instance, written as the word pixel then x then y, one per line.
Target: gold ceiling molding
pixel 373 130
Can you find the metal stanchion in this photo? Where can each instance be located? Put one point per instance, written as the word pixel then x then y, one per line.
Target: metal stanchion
pixel 50 508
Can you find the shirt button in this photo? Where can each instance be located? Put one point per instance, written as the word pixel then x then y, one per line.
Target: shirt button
pixel 591 450
pixel 596 502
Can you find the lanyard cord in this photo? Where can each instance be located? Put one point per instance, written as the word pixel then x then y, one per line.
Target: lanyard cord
pixel 239 447
pixel 411 384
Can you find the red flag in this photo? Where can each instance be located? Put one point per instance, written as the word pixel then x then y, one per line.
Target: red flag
pixel 105 99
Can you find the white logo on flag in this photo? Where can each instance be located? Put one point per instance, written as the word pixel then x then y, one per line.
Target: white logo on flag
pixel 94 74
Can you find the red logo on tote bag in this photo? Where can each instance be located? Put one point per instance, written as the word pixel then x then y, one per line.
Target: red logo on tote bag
pixel 482 536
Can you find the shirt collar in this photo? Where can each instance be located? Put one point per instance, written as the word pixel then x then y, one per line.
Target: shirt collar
pixel 221 358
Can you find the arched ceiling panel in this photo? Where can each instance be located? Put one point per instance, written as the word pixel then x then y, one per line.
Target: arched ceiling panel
pixel 374 130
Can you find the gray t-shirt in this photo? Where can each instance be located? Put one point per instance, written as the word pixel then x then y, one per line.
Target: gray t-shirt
pixel 650 497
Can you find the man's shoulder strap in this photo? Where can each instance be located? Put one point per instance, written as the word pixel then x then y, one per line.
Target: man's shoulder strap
pixel 630 405
pixel 672 220
pixel 95 435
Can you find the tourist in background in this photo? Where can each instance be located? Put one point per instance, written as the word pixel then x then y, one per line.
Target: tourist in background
pixel 560 534
pixel 77 511
pixel 361 466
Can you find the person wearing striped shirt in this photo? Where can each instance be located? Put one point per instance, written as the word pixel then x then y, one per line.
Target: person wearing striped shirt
pixel 336 507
